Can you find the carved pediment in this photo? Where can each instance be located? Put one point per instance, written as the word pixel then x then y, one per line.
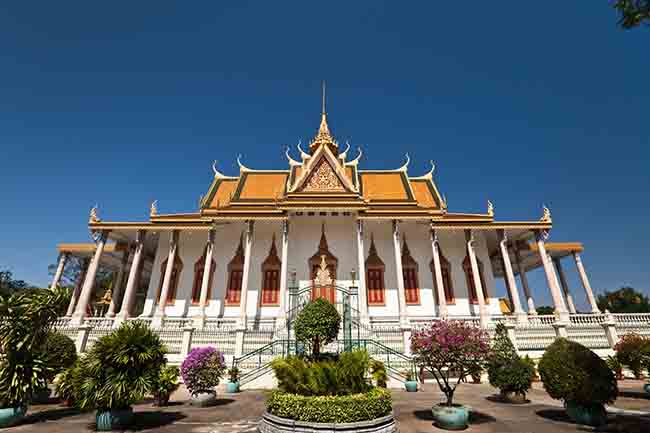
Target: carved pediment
pixel 323 178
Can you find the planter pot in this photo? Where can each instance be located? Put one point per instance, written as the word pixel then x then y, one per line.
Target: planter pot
pixel 593 415
pixel 411 385
pixel 114 419
pixel 646 388
pixel 232 387
pixel 162 400
pixel 12 415
pixel 275 424
pixel 204 399
pixel 451 417
pixel 513 397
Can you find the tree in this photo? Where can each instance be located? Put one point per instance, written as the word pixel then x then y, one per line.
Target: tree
pixel 544 310
pixel 8 285
pixel 632 12
pixel 624 300
pixel 317 325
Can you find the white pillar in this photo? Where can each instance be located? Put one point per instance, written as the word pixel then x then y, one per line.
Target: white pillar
pixel 476 276
pixel 437 270
pixel 361 265
pixel 401 295
pixel 63 258
pixel 551 279
pixel 89 281
pixel 511 282
pixel 77 288
pixel 132 281
pixel 248 247
pixel 169 270
pixel 284 271
pixel 565 285
pixel 585 283
pixel 117 285
pixel 524 282
pixel 207 271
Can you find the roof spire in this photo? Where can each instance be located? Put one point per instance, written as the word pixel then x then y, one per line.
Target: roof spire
pixel 323 90
pixel 323 136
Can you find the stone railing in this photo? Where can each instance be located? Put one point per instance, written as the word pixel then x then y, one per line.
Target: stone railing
pixel 598 332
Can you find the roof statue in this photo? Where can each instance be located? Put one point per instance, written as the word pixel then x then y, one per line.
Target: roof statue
pixel 546 215
pixel 490 208
pixel 93 215
pixel 153 211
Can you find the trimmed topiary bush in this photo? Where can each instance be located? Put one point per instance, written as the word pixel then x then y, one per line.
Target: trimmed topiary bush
pixel 573 373
pixel 633 351
pixel 202 370
pixel 59 352
pixel 506 369
pixel 375 403
pixel 317 325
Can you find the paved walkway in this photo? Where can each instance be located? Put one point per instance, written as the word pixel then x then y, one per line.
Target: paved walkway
pixel 239 413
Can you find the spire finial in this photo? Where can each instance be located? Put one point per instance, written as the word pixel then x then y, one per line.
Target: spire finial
pixel 323 91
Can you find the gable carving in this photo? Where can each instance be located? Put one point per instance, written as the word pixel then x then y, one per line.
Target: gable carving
pixel 324 179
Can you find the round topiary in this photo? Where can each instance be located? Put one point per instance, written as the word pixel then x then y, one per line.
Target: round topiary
pixel 60 353
pixel 317 325
pixel 573 373
pixel 202 369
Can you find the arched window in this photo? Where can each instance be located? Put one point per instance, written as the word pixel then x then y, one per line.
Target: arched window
pixel 445 267
pixel 235 275
pixel 326 292
pixel 199 266
pixel 173 283
pixel 271 276
pixel 410 271
pixel 375 276
pixel 467 267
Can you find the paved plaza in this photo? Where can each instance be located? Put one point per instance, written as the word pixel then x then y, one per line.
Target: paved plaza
pixel 239 413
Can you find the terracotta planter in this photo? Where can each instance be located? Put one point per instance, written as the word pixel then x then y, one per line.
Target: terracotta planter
pixel 453 417
pixel 114 419
pixel 12 415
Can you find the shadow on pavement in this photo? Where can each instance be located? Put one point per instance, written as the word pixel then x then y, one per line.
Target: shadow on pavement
pixel 224 401
pixel 615 423
pixel 50 415
pixel 155 419
pixel 496 398
pixel 634 394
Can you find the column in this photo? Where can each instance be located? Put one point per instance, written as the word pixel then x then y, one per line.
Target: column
pixel 476 277
pixel 437 269
pixel 245 273
pixel 361 265
pixel 511 282
pixel 169 270
pixel 585 283
pixel 524 282
pixel 77 288
pixel 565 285
pixel 117 285
pixel 89 281
pixel 401 295
pixel 284 270
pixel 551 278
pixel 207 271
pixel 132 282
pixel 63 258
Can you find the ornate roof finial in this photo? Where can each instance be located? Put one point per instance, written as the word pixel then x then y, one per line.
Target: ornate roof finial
pixel 323 136
pixel 546 215
pixel 490 208
pixel 242 167
pixel 153 211
pixel 94 218
pixel 292 161
pixel 323 90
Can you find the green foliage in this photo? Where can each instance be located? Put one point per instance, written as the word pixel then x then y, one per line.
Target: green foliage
pixel 166 384
pixel 571 372
pixel 378 373
pixel 615 364
pixel 64 384
pixel 233 374
pixel 296 375
pixel 502 347
pixel 26 317
pixel 120 369
pixel 375 403
pixel 317 325
pixel 8 285
pixel 545 310
pixel 59 351
pixel 624 300
pixel 633 351
pixel 506 369
pixel 632 12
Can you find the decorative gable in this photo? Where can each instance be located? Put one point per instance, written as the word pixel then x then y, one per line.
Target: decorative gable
pixel 323 178
pixel 322 173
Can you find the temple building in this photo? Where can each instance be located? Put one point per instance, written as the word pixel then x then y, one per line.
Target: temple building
pixel 384 236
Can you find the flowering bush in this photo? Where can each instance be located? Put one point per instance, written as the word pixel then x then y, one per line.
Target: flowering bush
pixel 633 351
pixel 202 369
pixel 448 347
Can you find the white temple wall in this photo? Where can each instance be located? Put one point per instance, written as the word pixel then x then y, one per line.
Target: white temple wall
pixel 382 231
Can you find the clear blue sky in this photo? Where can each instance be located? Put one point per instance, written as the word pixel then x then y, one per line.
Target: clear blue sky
pixel 121 103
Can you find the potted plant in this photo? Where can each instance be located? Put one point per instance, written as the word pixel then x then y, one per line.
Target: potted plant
pixel 631 350
pixel 575 374
pixel 443 347
pixel 378 373
pixel 614 363
pixel 26 317
pixel 411 384
pixel 233 381
pixel 202 370
pixel 64 386
pixel 118 371
pixel 166 385
pixel 60 353
pixel 507 371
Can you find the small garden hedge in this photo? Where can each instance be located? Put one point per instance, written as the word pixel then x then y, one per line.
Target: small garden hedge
pixel 376 403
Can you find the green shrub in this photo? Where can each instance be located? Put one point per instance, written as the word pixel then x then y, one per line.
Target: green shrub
pixel 633 351
pixel 59 352
pixel 506 369
pixel 378 373
pixel 571 372
pixel 347 375
pixel 331 409
pixel 317 325
pixel 64 384
pixel 120 368
pixel 615 364
pixel 166 384
pixel 233 374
